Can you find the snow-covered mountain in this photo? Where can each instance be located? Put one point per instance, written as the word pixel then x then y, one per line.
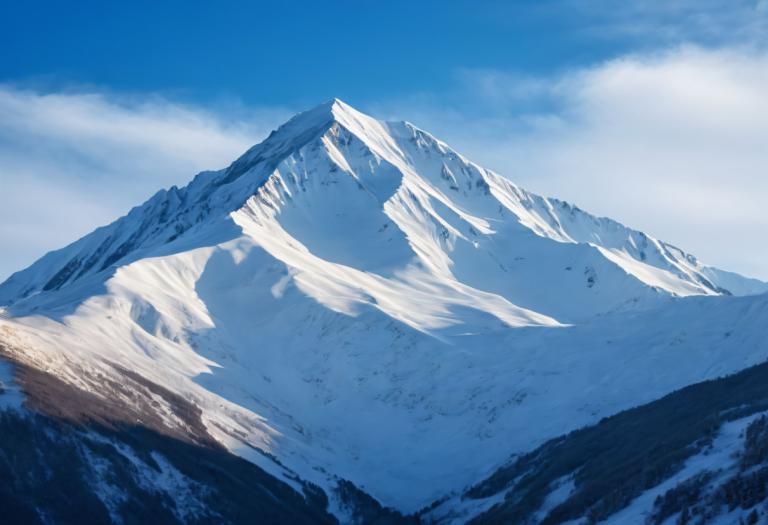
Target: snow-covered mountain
pixel 353 301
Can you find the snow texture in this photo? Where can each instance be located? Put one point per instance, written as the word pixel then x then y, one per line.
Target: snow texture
pixel 357 300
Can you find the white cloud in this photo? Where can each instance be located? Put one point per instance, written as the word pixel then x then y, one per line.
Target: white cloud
pixel 71 162
pixel 673 143
pixel 671 22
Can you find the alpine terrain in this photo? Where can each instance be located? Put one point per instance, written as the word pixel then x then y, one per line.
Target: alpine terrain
pixel 353 323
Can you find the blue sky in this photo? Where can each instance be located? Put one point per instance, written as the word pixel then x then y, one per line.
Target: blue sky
pixel 649 112
pixel 301 52
pixel 288 52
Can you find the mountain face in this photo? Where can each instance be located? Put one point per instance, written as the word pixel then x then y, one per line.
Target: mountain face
pixel 365 325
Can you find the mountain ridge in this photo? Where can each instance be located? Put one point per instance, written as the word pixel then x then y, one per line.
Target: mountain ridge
pixel 295 134
pixel 349 289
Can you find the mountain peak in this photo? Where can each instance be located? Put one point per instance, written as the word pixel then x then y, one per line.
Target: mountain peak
pixel 347 279
pixel 338 111
pixel 432 203
pixel 313 122
pixel 326 113
pixel 310 124
pixel 331 108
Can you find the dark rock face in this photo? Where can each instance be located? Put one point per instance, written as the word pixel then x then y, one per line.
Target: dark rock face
pixel 365 509
pixel 72 457
pixel 618 459
pixel 60 473
pixel 697 501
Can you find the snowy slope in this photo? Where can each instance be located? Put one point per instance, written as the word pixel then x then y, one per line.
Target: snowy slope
pixel 444 208
pixel 699 452
pixel 360 301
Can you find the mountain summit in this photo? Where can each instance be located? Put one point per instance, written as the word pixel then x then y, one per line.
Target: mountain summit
pixel 439 204
pixel 352 301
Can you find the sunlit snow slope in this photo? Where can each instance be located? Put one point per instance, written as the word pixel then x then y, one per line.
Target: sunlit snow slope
pixel 362 302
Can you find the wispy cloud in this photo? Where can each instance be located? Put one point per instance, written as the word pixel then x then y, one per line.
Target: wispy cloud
pixel 712 22
pixel 71 162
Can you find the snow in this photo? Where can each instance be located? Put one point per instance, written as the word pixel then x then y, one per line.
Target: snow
pixel 722 456
pixel 11 396
pixel 561 490
pixel 360 301
pixel 187 497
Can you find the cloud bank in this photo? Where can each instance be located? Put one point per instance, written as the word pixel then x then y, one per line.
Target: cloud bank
pixel 74 161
